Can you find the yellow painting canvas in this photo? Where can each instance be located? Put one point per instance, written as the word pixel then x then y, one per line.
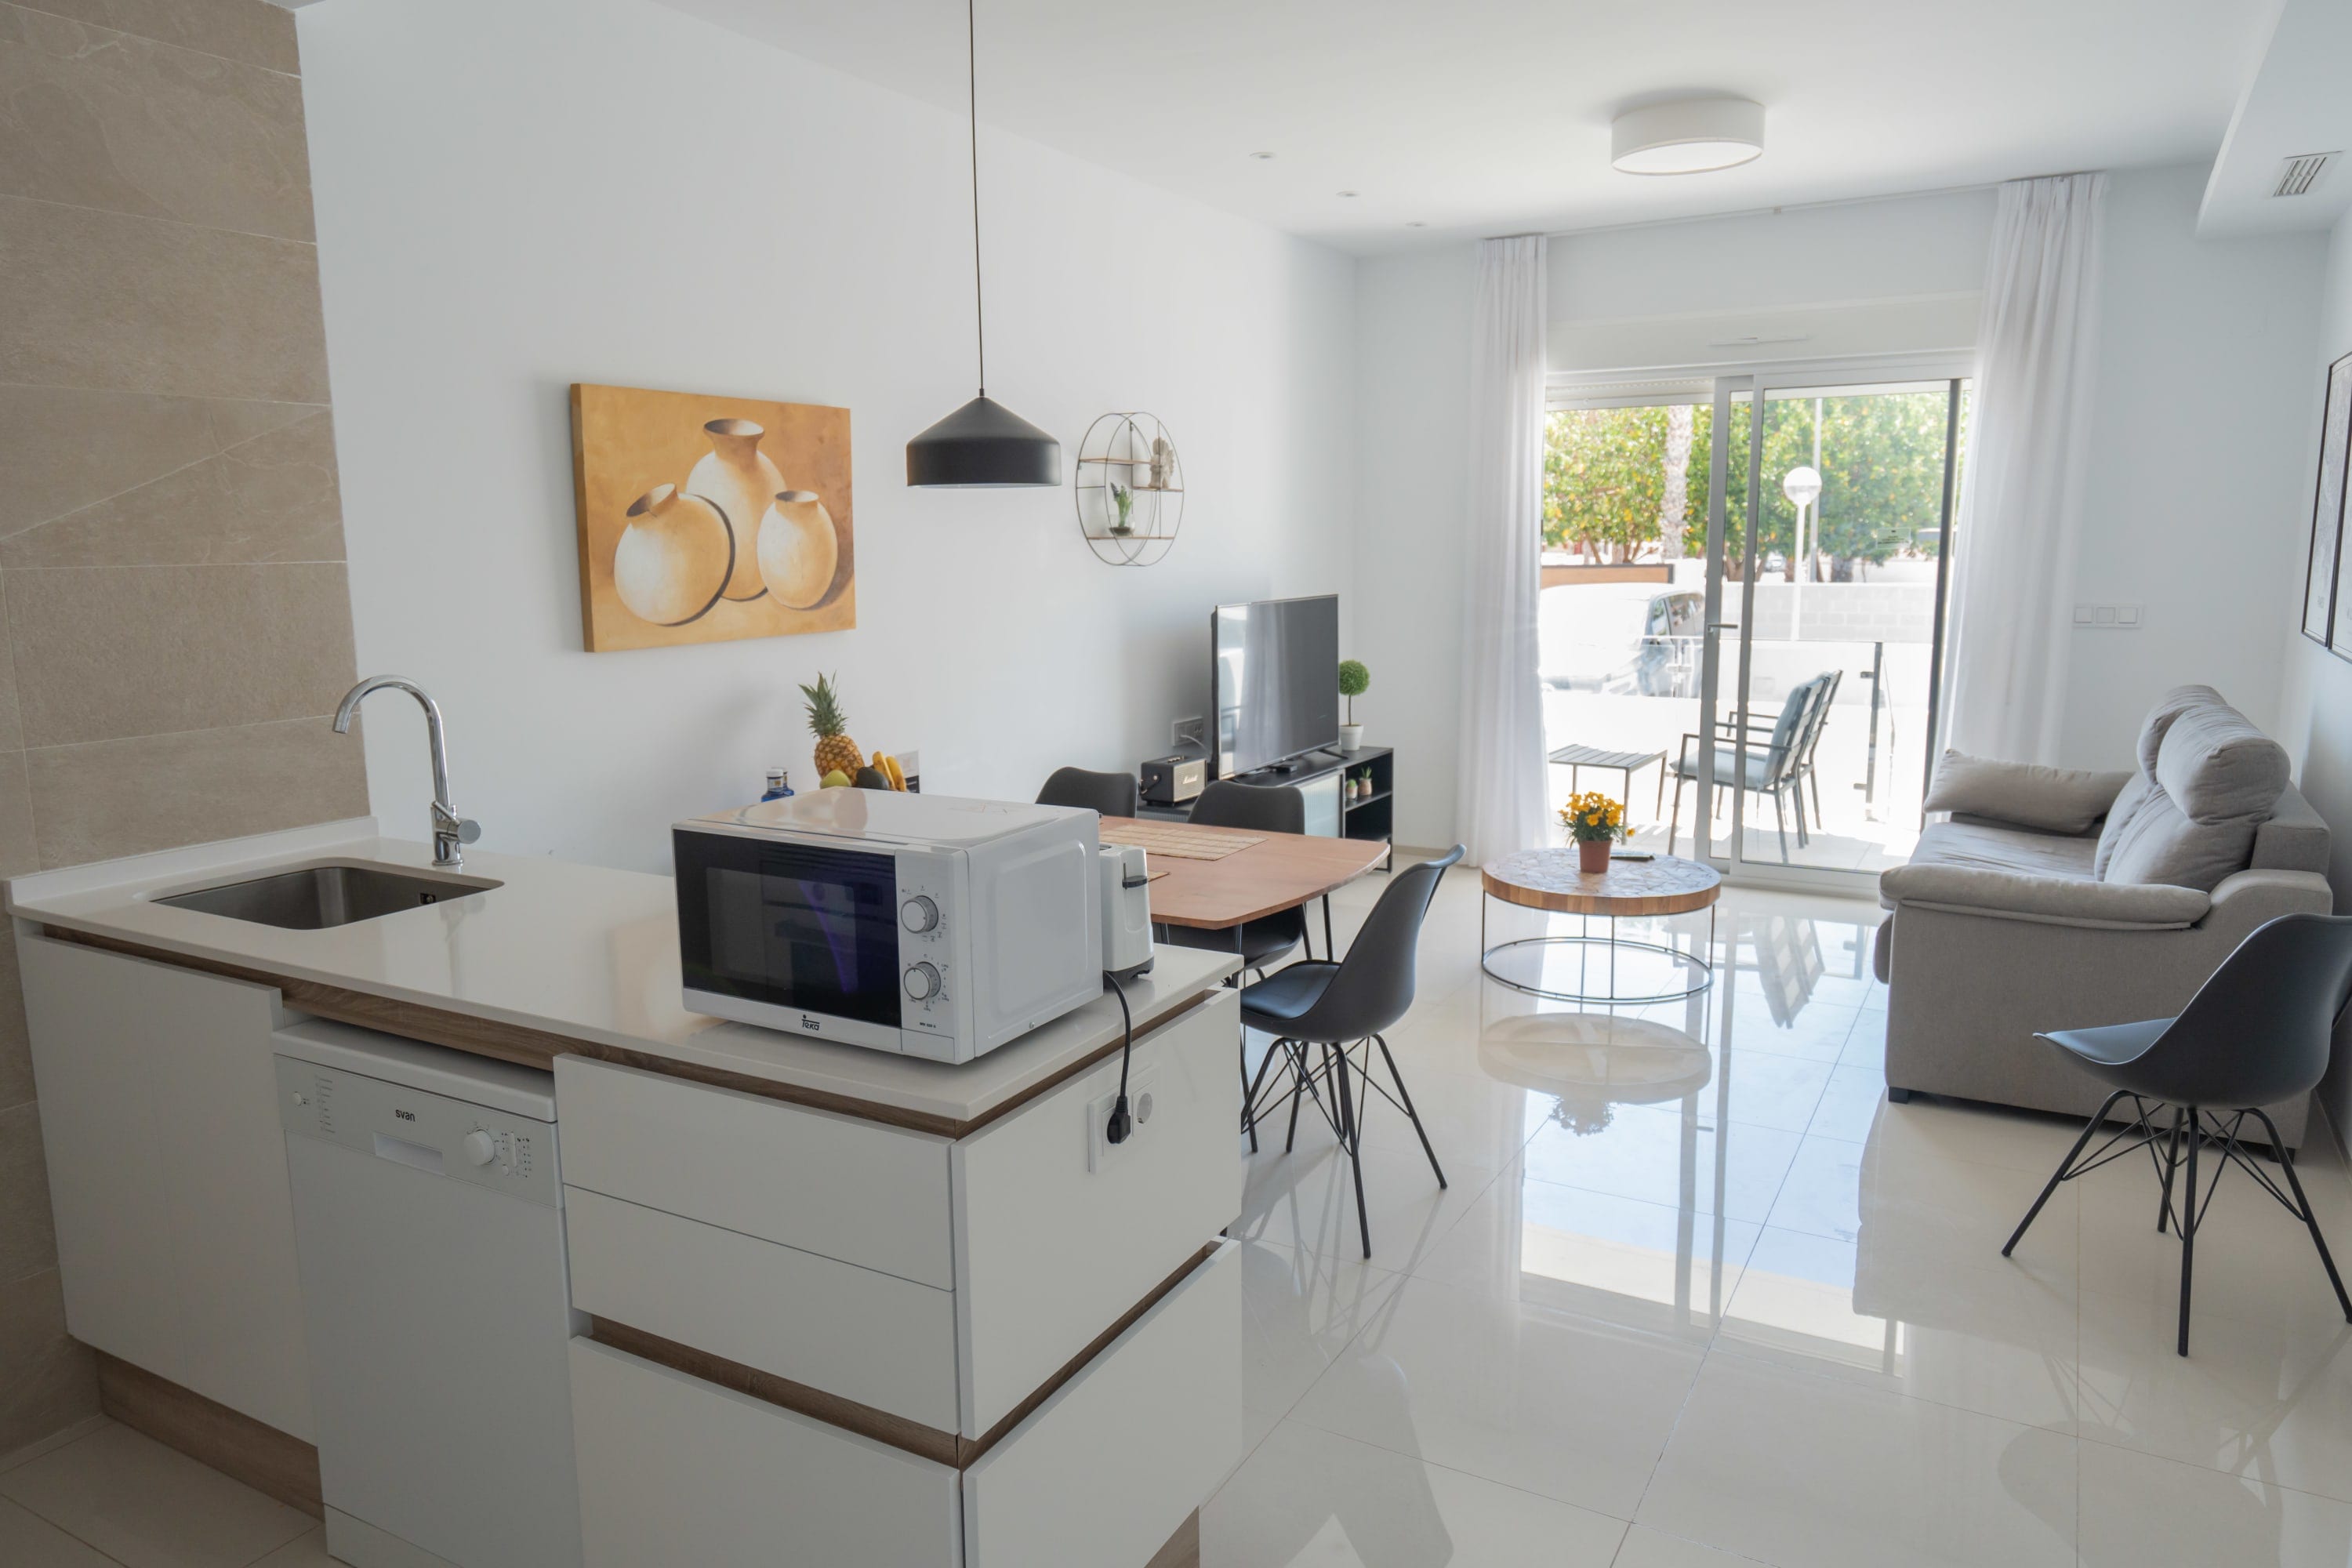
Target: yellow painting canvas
pixel 710 519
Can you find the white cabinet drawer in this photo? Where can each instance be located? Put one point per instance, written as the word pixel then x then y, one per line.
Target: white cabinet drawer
pixel 855 1332
pixel 857 1191
pixel 1048 1253
pixel 1106 1468
pixel 674 1469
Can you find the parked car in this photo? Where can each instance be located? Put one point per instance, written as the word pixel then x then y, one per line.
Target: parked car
pixel 1621 637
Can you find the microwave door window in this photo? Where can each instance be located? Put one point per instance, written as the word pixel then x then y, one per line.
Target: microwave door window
pixel 827 943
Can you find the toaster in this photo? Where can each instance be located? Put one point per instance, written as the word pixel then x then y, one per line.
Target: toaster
pixel 1172 780
pixel 1126 909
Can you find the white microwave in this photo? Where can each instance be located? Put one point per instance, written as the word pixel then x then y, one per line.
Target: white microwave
pixel 918 923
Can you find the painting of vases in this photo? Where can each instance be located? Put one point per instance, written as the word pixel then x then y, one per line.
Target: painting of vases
pixel 710 519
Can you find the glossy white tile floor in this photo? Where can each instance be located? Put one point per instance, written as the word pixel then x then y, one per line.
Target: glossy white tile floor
pixel 1695 1297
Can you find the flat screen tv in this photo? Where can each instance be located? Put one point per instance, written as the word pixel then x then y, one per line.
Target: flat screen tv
pixel 1277 680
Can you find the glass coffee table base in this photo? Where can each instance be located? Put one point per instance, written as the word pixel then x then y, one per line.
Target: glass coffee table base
pixel 1700 971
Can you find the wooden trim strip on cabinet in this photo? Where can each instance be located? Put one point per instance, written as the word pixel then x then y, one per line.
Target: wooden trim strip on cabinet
pixel 270 1461
pixel 950 1448
pixel 539 1048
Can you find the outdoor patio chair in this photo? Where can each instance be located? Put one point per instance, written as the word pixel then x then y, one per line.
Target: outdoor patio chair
pixel 1810 745
pixel 1768 770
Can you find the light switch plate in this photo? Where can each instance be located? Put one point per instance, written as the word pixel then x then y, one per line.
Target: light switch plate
pixel 2109 617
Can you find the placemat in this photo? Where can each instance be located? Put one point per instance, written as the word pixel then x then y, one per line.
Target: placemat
pixel 1180 840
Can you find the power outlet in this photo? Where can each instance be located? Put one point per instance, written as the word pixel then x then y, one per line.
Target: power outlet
pixel 1141 1102
pixel 1192 732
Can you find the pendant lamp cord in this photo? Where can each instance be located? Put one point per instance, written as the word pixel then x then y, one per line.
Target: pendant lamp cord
pixel 971 63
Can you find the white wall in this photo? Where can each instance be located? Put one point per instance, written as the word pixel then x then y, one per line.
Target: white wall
pixel 2200 445
pixel 516 195
pixel 2316 701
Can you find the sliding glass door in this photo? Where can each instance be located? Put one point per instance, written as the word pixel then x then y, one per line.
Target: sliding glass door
pixel 1828 545
pixel 1763 693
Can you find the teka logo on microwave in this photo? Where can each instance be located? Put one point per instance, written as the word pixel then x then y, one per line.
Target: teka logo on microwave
pixel 811 1024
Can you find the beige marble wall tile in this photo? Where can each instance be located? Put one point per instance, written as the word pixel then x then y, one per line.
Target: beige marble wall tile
pixel 272 498
pixel 15 1052
pixel 12 725
pixel 107 652
pixel 140 304
pixel 128 797
pixel 63 448
pixel 50 1381
pixel 253 31
pixel 101 118
pixel 28 1236
pixel 16 856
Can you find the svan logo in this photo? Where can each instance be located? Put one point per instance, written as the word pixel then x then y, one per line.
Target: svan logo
pixel 403 1115
pixel 811 1024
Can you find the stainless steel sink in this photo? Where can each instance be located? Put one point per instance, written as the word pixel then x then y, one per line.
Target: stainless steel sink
pixel 315 896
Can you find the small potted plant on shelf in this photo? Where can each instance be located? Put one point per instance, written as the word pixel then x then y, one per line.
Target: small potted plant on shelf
pixel 1354 681
pixel 1596 822
pixel 1122 500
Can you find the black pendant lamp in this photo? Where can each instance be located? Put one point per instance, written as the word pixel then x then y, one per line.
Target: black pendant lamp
pixel 983 443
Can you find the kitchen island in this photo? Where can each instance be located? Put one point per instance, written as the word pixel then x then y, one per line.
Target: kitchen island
pixel 839 1304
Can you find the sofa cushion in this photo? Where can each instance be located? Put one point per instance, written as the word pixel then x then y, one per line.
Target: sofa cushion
pixel 2055 800
pixel 2127 802
pixel 2003 850
pixel 2217 767
pixel 2295 838
pixel 2169 708
pixel 2164 845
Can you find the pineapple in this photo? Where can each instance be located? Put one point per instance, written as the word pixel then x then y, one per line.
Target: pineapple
pixel 835 749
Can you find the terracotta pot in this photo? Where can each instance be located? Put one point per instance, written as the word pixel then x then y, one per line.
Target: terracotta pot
pixel 798 549
pixel 1593 855
pixel 737 477
pixel 672 563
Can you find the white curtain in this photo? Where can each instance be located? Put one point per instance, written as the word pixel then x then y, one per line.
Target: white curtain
pixel 2021 499
pixel 1501 783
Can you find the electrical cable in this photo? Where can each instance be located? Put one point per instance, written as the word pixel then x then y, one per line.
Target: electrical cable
pixel 1120 1123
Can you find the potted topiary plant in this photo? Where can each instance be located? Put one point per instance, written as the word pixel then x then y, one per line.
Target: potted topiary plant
pixel 1596 822
pixel 1354 681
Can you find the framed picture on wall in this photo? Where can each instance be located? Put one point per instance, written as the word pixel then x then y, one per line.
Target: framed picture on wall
pixel 2327 586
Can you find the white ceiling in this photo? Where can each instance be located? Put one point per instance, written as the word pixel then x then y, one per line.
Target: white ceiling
pixel 2295 104
pixel 1492 116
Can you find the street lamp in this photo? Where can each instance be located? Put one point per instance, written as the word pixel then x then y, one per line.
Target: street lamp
pixel 1802 486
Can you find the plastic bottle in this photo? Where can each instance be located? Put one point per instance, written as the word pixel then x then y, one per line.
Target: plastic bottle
pixel 780 784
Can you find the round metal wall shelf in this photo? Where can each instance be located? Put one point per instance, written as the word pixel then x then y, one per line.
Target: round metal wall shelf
pixel 1129 453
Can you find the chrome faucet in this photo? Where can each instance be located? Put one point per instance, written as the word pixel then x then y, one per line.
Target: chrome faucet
pixel 449 829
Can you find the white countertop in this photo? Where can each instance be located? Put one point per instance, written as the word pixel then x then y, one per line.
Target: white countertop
pixel 578 950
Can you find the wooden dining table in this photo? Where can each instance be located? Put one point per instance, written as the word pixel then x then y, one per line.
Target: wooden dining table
pixel 1279 871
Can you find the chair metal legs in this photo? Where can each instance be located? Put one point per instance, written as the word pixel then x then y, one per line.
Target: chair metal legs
pixel 2184 1213
pixel 2310 1220
pixel 1674 822
pixel 1351 1088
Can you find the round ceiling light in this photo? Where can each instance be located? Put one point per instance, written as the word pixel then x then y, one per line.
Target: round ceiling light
pixel 1688 136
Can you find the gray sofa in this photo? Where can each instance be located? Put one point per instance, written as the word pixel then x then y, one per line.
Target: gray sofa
pixel 2051 899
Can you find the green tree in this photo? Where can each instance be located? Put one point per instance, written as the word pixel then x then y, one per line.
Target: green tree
pixel 1608 479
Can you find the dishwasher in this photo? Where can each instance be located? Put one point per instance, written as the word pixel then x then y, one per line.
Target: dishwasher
pixel 428 1221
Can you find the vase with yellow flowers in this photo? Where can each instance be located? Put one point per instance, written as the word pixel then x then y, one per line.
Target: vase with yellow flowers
pixel 1596 822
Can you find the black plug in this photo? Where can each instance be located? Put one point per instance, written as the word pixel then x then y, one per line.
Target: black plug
pixel 1121 1123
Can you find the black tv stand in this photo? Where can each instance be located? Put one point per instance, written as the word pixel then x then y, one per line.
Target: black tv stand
pixel 1371 818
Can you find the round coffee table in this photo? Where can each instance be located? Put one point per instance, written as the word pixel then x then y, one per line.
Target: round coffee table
pixel 1549 879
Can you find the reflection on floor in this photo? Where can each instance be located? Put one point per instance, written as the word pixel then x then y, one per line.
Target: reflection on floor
pixel 1697 1296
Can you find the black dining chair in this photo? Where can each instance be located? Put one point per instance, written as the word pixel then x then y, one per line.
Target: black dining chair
pixel 1256 808
pixel 1338 1008
pixel 1105 794
pixel 2257 1032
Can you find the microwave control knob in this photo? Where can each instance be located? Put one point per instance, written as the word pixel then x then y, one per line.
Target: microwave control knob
pixel 480 1146
pixel 922 981
pixel 919 914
